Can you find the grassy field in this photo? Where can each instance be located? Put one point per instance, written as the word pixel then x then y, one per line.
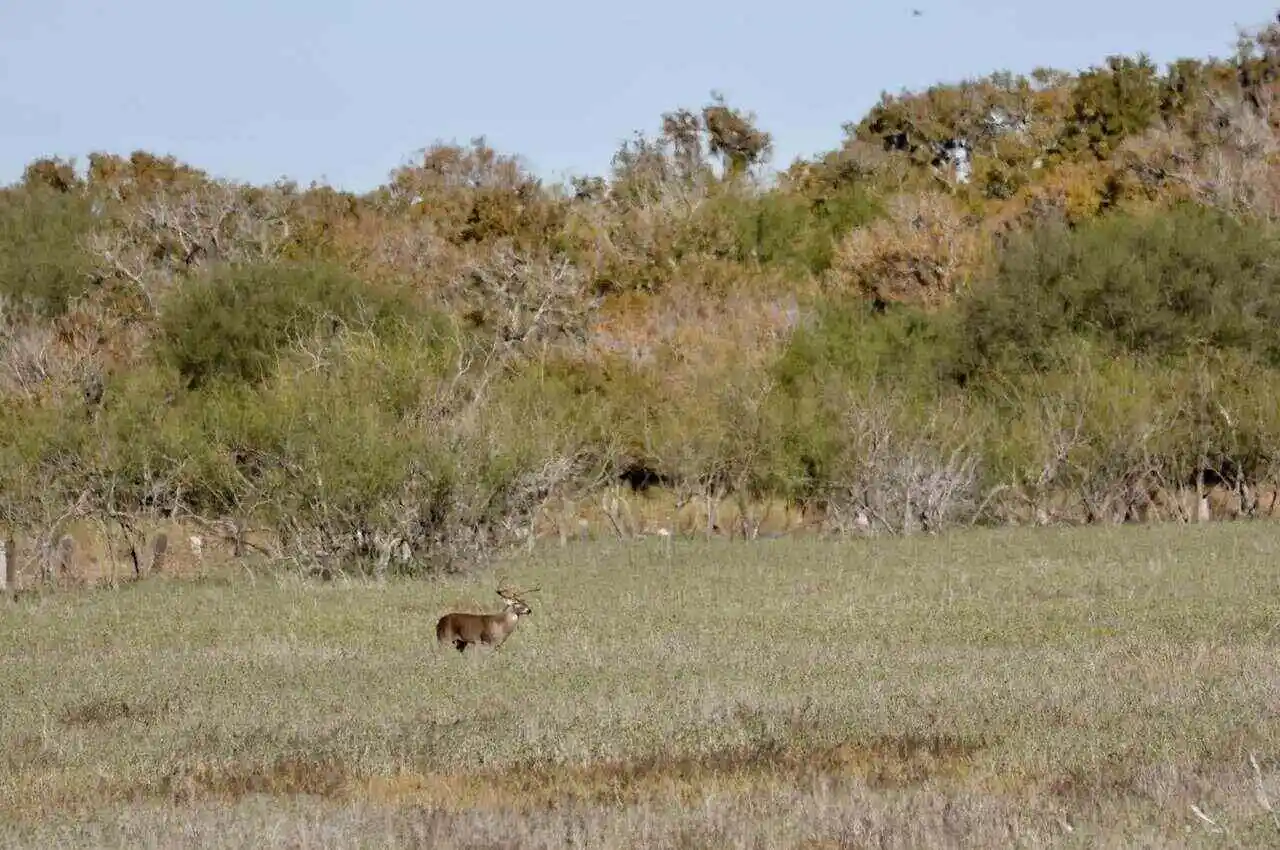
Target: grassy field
pixel 1069 688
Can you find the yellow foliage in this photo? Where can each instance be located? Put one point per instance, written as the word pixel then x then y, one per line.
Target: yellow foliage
pixel 923 252
pixel 1079 188
pixel 1076 191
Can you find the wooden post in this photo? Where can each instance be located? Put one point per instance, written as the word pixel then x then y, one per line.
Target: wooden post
pixel 238 529
pixel 8 566
pixel 159 547
pixel 66 555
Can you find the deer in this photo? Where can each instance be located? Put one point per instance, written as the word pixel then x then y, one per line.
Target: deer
pixel 462 630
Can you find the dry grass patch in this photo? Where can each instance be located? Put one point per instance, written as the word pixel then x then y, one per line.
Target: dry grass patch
pixel 881 764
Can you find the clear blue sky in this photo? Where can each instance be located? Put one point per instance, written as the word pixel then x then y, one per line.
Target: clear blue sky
pixel 343 91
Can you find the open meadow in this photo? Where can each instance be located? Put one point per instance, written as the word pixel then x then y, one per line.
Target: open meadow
pixel 1113 687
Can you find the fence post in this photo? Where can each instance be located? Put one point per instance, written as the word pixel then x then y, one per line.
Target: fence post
pixel 159 547
pixel 8 566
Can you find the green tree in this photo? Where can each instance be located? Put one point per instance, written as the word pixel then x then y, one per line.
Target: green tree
pixel 1112 103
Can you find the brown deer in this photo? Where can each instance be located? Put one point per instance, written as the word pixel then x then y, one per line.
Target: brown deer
pixel 462 630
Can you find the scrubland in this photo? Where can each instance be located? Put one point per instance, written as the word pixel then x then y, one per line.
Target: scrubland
pixel 882 498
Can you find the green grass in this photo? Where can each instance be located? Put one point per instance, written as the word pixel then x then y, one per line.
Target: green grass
pixel 1066 688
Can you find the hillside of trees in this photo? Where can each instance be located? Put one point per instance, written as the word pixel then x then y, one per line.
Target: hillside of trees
pixel 1015 299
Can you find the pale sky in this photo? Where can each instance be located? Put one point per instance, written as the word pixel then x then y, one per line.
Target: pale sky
pixel 343 91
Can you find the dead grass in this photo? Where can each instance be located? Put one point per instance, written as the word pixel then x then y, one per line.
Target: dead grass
pixel 1075 688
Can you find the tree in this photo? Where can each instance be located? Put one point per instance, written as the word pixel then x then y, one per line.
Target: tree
pixel 735 137
pixel 683 131
pixel 473 194
pixel 56 173
pixel 1110 104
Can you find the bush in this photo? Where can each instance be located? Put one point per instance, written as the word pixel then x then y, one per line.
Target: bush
pixel 850 354
pixel 234 322
pixel 1159 284
pixel 797 233
pixel 42 263
pixel 924 252
pixel 42 463
pixel 855 343
pixel 385 439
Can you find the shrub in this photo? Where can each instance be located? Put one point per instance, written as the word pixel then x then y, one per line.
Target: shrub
pixel 1157 284
pixel 854 342
pixel 849 354
pixel 924 252
pixel 234 322
pixel 795 232
pixel 42 264
pixel 43 458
